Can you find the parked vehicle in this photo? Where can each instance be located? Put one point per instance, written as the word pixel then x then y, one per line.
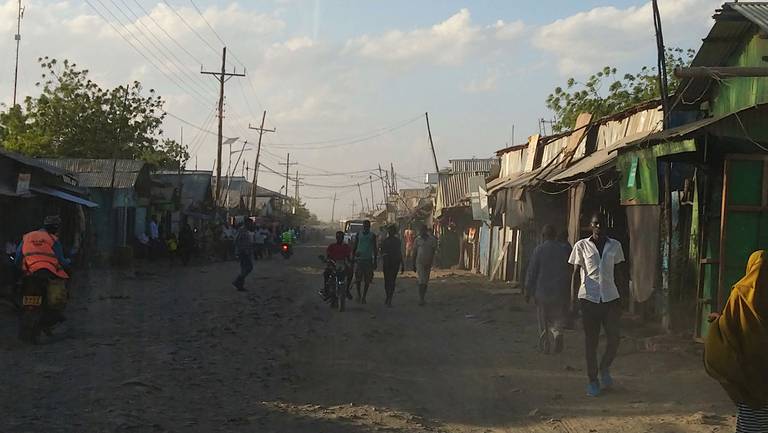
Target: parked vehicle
pixel 351 229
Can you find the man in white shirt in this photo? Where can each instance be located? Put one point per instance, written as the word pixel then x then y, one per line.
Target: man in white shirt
pixel 595 259
pixel 258 241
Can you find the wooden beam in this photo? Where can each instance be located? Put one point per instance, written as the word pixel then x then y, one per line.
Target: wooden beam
pixel 721 71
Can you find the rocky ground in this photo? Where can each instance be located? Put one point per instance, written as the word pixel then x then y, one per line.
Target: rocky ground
pixel 172 349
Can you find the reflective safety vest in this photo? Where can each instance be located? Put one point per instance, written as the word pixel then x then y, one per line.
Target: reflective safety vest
pixel 37 252
pixel 287 237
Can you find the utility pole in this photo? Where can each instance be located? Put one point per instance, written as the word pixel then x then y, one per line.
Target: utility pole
pixel 222 77
pixel 296 199
pixel 432 144
pixel 383 187
pixel 258 153
pixel 370 182
pixel 353 208
pixel 394 179
pixel 18 43
pixel 287 165
pixel 362 202
pixel 333 208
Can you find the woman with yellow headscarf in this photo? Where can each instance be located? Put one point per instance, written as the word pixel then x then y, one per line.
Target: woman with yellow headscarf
pixel 736 348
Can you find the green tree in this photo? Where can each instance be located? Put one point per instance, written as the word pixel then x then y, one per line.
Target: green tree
pixel 74 117
pixel 606 92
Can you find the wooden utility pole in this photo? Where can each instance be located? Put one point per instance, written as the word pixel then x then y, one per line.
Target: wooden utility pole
pixel 362 202
pixel 18 44
pixel 296 199
pixel 261 130
pixel 287 165
pixel 383 186
pixel 222 77
pixel 394 179
pixel 370 182
pixel 333 208
pixel 432 144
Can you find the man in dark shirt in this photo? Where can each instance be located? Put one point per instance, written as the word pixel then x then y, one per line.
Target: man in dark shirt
pixel 391 252
pixel 340 253
pixel 548 282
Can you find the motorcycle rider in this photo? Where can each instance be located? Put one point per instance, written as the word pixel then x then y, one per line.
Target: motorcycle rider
pixel 288 238
pixel 41 256
pixel 340 253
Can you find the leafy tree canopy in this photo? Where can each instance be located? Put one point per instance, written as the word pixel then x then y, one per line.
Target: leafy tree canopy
pixel 75 117
pixel 606 92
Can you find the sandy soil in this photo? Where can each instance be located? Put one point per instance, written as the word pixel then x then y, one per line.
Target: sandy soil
pixel 179 350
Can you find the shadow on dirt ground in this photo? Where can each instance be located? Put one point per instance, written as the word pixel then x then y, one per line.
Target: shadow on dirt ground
pixel 179 350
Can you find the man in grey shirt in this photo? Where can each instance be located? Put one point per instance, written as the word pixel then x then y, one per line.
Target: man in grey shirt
pixel 548 283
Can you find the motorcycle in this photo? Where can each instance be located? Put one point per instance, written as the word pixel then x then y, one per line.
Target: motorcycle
pixel 286 250
pixel 335 290
pixel 42 301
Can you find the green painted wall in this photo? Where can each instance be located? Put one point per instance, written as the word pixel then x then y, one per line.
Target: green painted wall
pixel 737 93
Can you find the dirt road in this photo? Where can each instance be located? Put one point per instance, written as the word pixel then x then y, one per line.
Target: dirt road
pixel 179 350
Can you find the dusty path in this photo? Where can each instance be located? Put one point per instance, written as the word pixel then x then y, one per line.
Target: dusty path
pixel 187 353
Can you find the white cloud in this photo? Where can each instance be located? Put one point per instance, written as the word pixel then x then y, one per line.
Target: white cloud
pixel 486 84
pixel 448 42
pixel 587 41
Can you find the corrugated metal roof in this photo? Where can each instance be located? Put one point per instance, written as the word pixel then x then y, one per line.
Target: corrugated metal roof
pixel 33 162
pixel 757 12
pixel 97 173
pixel 733 23
pixel 709 123
pixel 196 185
pixel 452 189
pixel 473 165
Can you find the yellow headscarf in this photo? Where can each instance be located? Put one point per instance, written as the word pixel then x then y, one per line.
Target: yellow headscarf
pixel 736 348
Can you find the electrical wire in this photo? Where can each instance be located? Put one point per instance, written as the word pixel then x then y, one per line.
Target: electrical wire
pixel 342 141
pixel 139 51
pixel 162 48
pixel 192 29
pixel 199 12
pixel 175 41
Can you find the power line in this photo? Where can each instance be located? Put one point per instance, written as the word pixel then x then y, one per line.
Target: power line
pixel 192 29
pixel 199 12
pixel 171 56
pixel 139 51
pixel 175 41
pixel 348 140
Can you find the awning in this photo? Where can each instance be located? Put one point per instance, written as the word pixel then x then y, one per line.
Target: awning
pixel 64 196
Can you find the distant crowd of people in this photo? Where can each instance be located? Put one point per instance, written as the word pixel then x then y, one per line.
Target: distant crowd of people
pixel 210 241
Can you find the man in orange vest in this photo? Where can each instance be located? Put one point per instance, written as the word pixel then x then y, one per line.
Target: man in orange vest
pixel 40 252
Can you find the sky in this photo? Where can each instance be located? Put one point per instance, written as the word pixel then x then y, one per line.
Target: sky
pixel 346 83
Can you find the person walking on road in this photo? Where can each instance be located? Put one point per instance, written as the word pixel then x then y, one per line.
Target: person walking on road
pixel 366 258
pixel 409 237
pixel 258 243
pixel 425 248
pixel 392 261
pixel 736 347
pixel 595 259
pixel 548 283
pixel 244 252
